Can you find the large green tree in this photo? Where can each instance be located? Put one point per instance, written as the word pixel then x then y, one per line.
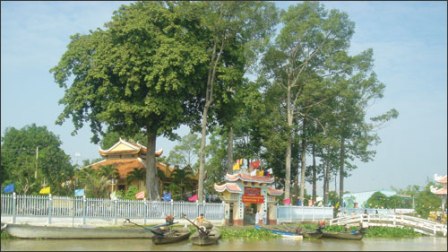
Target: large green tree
pixel 139 74
pixel 32 157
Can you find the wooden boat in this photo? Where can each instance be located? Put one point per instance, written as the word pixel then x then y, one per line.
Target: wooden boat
pixel 206 234
pixel 211 237
pixel 283 234
pixel 312 234
pixel 171 237
pixel 52 232
pixel 354 235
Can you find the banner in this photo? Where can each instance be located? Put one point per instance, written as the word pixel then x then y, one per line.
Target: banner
pixel 45 190
pixel 140 195
pixel 9 188
pixel 166 196
pixel 255 164
pixel 193 198
pixel 79 192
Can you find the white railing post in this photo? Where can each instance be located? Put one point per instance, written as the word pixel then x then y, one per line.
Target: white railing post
pixel 50 207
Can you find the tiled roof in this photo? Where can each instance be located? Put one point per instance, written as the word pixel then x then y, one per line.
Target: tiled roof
pixel 440 179
pixel 127 147
pixel 231 187
pixel 274 192
pixel 126 165
pixel 249 178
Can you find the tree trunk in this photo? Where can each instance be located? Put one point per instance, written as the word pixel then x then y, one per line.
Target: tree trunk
pixel 326 185
pixel 303 155
pixel 288 146
pixel 314 175
pixel 152 183
pixel 230 150
pixel 341 172
pixel 202 154
pixel 208 102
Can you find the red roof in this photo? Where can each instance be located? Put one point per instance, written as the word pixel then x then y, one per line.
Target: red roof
pixel 249 178
pixel 231 187
pixel 274 192
pixel 126 165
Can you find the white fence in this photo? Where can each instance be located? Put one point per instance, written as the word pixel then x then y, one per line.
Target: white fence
pixel 303 213
pixel 393 220
pixel 87 209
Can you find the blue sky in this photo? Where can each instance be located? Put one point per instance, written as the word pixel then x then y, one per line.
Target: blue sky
pixel 409 40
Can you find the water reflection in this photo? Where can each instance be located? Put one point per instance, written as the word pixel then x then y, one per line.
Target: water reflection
pixel 415 244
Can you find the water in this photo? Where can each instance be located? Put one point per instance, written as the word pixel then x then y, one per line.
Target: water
pixel 367 244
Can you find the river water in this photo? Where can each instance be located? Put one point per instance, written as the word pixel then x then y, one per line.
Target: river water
pixel 367 244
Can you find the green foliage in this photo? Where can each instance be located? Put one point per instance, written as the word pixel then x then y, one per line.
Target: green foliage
pixel 129 194
pixel 246 233
pixel 184 153
pixel 379 200
pixel 31 158
pixel 389 232
pixel 426 201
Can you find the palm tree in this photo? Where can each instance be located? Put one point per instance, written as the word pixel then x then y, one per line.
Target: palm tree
pixel 111 174
pixel 182 177
pixel 137 174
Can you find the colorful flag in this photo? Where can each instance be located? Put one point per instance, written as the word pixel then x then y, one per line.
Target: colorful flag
pixel 79 192
pixel 255 164
pixel 236 166
pixel 240 161
pixel 287 202
pixel 45 190
pixel 193 198
pixel 166 196
pixel 140 195
pixel 269 170
pixel 9 188
pixel 260 173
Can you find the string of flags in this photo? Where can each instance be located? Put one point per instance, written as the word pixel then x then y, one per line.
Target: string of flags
pixel 254 166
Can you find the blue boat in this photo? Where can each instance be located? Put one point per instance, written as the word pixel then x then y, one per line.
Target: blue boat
pixel 283 234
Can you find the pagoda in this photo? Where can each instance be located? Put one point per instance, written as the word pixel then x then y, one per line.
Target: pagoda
pixel 442 192
pixel 244 195
pixel 126 156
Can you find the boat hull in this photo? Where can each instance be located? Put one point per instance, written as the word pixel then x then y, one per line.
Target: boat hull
pixel 316 235
pixel 210 239
pixel 171 237
pixel 52 232
pixel 342 235
pixel 283 234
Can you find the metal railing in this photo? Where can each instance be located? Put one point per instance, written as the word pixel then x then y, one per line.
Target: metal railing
pixel 51 207
pixel 393 220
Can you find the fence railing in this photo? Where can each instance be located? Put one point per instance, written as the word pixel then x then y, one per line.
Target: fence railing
pixel 90 208
pixel 393 220
pixel 303 213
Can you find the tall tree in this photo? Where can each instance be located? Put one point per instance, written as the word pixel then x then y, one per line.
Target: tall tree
pixel 310 36
pixel 139 74
pixel 234 27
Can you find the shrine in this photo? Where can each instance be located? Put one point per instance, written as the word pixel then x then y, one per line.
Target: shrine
pixel 442 192
pixel 127 156
pixel 245 195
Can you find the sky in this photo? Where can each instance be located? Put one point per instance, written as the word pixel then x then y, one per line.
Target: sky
pixel 409 41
